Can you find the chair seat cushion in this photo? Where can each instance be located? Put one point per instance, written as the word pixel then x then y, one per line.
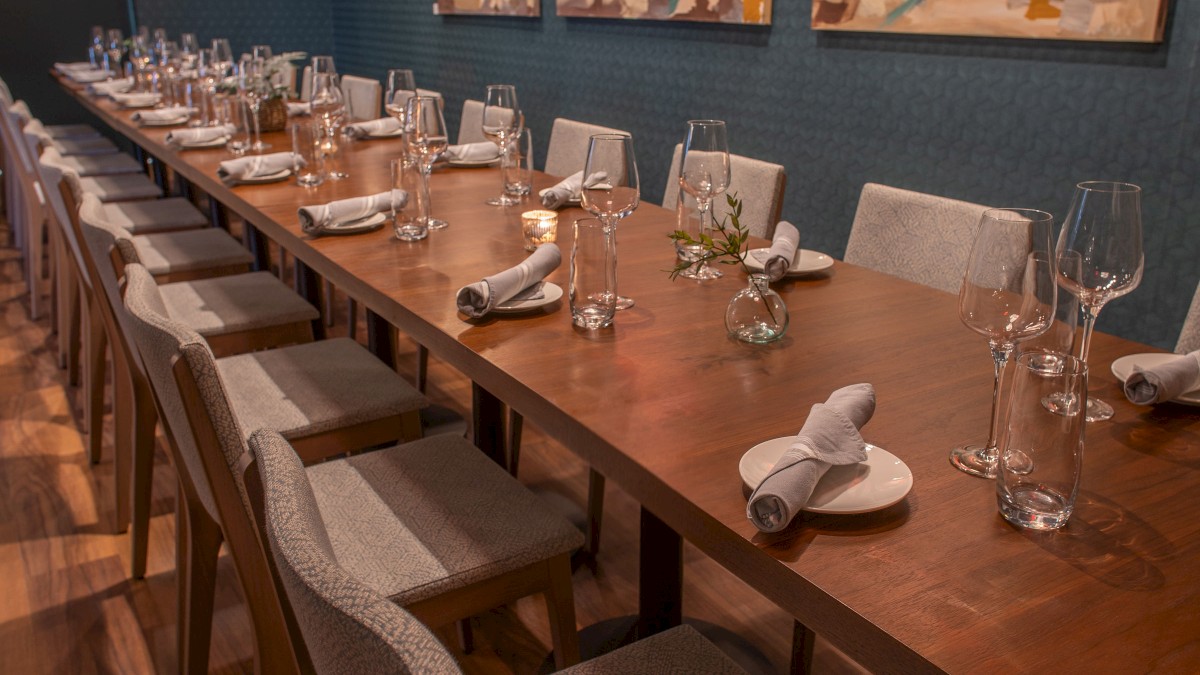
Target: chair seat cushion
pixel 416 520
pixel 189 250
pixel 102 165
pixel 85 146
pixel 155 215
pixel 679 650
pixel 121 187
pixel 58 131
pixel 240 302
pixel 314 387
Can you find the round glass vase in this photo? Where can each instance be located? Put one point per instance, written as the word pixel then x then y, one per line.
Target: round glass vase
pixel 757 313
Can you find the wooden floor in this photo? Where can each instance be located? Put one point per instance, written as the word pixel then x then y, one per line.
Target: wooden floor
pixel 67 604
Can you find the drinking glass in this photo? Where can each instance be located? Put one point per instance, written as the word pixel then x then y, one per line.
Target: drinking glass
pixel 1104 227
pixel 1008 294
pixel 189 50
pixel 408 177
pixel 329 110
pixel 141 57
pixel 427 140
pixel 310 162
pixel 96 47
pixel 401 86
pixel 116 46
pixel 206 81
pixel 1041 459
pixel 255 89
pixel 518 170
pixel 704 174
pixel 593 282
pixel 616 197
pixel 501 122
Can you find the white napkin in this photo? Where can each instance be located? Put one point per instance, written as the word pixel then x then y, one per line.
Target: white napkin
pixel 200 134
pixel 522 282
pixel 317 219
pixel 1164 382
pixel 482 151
pixel 830 436
pixel 137 100
pixel 778 259
pixel 118 86
pixel 88 76
pixel 233 171
pixel 67 68
pixel 570 189
pixel 298 108
pixel 167 114
pixel 383 125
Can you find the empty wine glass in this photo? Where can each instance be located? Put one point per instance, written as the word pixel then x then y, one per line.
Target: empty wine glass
pixel 1008 294
pixel 116 46
pixel 618 194
pixel 704 174
pixel 189 50
pixel 427 140
pixel 329 110
pixel 255 89
pixel 401 86
pixel 96 47
pixel 222 58
pixel 501 122
pixel 1104 227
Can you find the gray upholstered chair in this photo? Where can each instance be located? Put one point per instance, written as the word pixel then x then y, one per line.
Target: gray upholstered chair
pixel 86 165
pixel 112 187
pixel 56 131
pixel 922 238
pixel 760 186
pixel 348 626
pixel 1189 335
pixel 470 125
pixel 568 148
pixel 97 145
pixel 363 97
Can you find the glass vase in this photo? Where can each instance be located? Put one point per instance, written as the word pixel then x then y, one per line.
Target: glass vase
pixel 757 314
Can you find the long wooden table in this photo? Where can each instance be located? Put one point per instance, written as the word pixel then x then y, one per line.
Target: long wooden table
pixel 665 404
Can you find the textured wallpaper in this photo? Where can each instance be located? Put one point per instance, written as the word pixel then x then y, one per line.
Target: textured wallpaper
pixel 286 25
pixel 1014 123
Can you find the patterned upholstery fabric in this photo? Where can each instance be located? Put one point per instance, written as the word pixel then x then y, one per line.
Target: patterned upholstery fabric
pixel 1189 335
pixel 569 145
pixel 679 651
pixel 234 303
pixel 470 125
pixel 65 131
pixel 189 250
pixel 758 184
pixel 347 627
pixel 121 187
pixel 314 387
pixel 915 236
pixel 363 97
pixel 155 215
pixel 99 165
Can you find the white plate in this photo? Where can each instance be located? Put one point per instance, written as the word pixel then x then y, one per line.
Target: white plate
pixel 269 178
pixel 367 224
pixel 387 134
pixel 214 143
pixel 473 163
pixel 550 293
pixel 1123 368
pixel 877 483
pixel 805 263
pixel 141 102
pixel 166 123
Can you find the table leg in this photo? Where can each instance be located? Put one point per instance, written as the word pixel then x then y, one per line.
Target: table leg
pixel 258 248
pixel 379 339
pixel 487 422
pixel 803 641
pixel 660 576
pixel 308 285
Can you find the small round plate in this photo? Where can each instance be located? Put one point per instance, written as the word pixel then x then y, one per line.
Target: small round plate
pixel 368 224
pixel 173 121
pixel 395 133
pixel 473 163
pixel 213 143
pixel 806 262
pixel 269 178
pixel 550 293
pixel 875 484
pixel 141 101
pixel 1123 368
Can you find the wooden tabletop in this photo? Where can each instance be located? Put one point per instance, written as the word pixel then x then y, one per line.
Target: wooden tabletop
pixel 665 404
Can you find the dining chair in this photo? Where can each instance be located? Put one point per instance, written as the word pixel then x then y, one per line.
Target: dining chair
pixel 363 97
pixel 85 165
pixel 568 148
pixel 98 145
pixel 26 210
pixel 470 125
pixel 57 131
pixel 347 625
pixel 431 523
pixel 760 185
pixel 915 236
pixel 1189 334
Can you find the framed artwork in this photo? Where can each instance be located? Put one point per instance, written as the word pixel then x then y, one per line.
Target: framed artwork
pixel 751 12
pixel 489 7
pixel 1103 20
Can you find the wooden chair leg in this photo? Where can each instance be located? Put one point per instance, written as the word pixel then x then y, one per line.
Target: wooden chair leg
pixel 595 512
pixel 75 337
pixel 124 432
pixel 93 380
pixel 68 312
pixel 145 417
pixel 196 567
pixel 560 603
pixel 466 635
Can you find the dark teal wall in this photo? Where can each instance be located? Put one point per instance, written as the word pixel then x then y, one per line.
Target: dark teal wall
pixel 286 25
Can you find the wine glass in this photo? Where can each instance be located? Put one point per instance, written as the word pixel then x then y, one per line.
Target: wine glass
pixel 96 47
pixel 329 109
pixel 615 197
pixel 501 122
pixel 189 49
pixel 704 174
pixel 1008 294
pixel 116 46
pixel 401 86
pixel 222 57
pixel 1104 227
pixel 427 140
pixel 142 58
pixel 254 88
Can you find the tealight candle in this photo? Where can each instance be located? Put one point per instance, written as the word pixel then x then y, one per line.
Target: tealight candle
pixel 539 227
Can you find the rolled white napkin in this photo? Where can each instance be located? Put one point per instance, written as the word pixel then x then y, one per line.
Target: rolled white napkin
pixel 138 100
pixel 233 171
pixel 118 86
pixel 482 151
pixel 200 134
pixel 1164 382
pixel 571 188
pixel 168 114
pixel 830 436
pixel 316 220
pixel 383 125
pixel 73 66
pixel 523 282
pixel 298 108
pixel 88 76
pixel 777 260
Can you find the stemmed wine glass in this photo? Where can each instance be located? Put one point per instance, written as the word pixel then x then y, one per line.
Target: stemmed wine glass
pixel 1008 294
pixel 189 50
pixel 1104 228
pixel 222 58
pixel 401 86
pixel 96 47
pixel 116 46
pixel 618 195
pixel 254 89
pixel 328 109
pixel 427 140
pixel 704 174
pixel 501 124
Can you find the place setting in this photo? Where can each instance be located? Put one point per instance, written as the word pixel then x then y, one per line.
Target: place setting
pixel 164 117
pixel 1150 379
pixel 517 290
pixel 258 169
pixel 355 215
pixel 384 127
pixel 200 138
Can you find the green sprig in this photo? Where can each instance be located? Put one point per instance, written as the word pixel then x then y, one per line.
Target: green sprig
pixel 728 248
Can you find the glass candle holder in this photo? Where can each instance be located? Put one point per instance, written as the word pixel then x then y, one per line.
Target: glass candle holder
pixel 539 227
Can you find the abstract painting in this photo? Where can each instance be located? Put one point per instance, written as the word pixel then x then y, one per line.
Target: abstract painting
pixel 1104 20
pixel 753 12
pixel 489 7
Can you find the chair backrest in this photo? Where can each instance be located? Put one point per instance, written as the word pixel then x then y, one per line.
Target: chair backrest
pixel 923 238
pixel 348 627
pixel 306 84
pixel 6 96
pixel 285 77
pixel 32 201
pixel 1189 335
pixel 760 186
pixel 569 145
pixel 363 97
pixel 470 125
